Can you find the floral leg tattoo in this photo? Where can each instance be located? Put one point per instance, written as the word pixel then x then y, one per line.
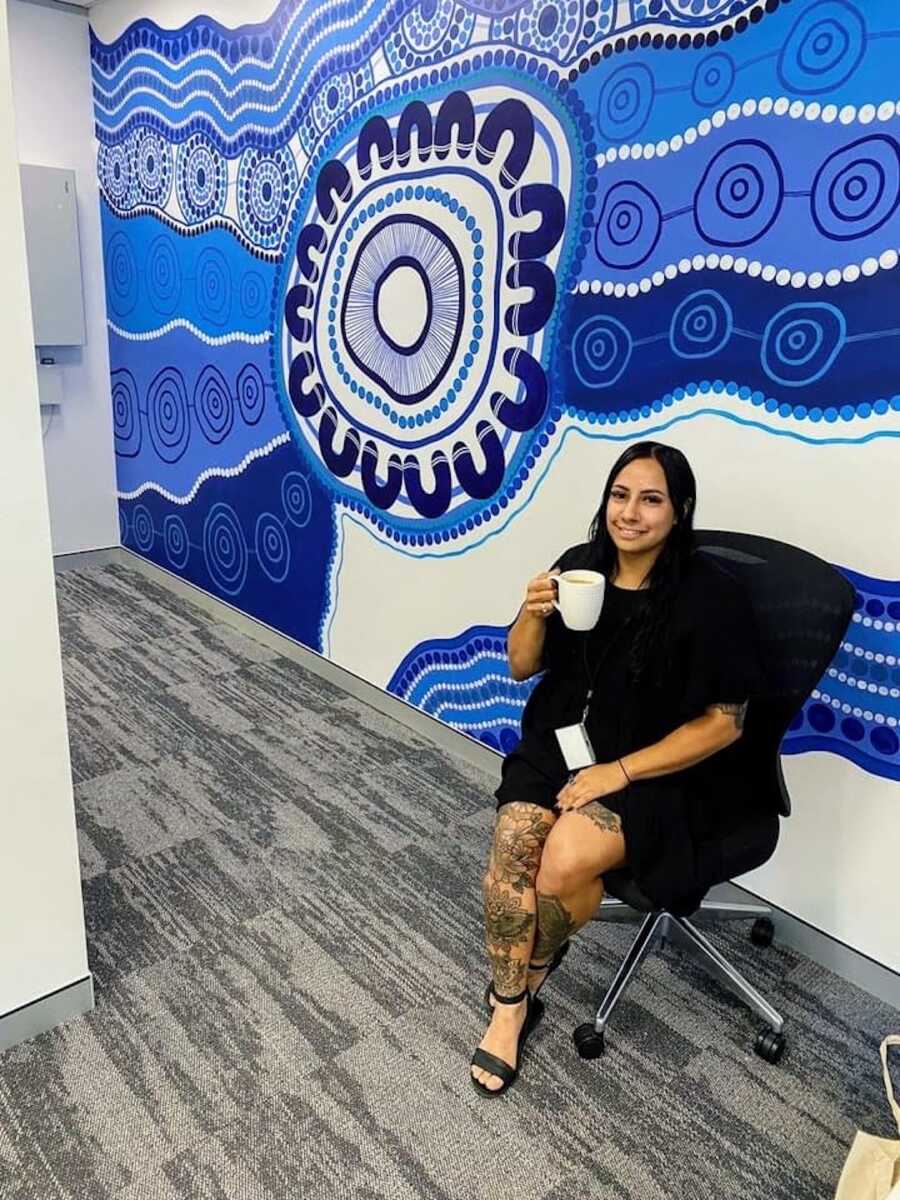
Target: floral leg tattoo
pixel 609 822
pixel 555 924
pixel 509 900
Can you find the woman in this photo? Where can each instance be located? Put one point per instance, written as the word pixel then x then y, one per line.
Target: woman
pixel 662 684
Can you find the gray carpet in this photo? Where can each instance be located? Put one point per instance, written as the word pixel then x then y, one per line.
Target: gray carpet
pixel 282 897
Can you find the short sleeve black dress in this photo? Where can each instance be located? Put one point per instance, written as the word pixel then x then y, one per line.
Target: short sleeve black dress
pixel 671 825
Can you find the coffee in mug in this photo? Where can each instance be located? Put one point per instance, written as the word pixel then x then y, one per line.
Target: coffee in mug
pixel 580 598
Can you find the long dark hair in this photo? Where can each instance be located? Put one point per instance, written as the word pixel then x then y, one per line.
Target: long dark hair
pixel 650 644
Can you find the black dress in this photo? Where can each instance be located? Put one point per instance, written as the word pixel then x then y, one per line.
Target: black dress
pixel 672 825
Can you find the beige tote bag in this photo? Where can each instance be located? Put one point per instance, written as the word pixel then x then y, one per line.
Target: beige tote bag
pixel 872 1169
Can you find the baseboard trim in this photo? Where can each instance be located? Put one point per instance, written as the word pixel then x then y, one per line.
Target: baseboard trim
pixel 822 948
pixel 38 1016
pixel 84 558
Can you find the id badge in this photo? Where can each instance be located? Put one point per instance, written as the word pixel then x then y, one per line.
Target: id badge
pixel 576 747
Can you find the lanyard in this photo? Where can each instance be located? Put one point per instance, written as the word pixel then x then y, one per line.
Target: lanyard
pixel 594 675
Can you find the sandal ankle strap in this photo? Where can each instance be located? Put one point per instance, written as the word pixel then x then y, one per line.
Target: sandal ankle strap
pixel 511 999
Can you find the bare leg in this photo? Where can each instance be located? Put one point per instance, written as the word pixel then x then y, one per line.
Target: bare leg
pixel 583 845
pixel 510 912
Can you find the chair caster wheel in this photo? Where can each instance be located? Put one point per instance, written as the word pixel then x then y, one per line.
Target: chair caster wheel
pixel 770 1045
pixel 763 932
pixel 588 1042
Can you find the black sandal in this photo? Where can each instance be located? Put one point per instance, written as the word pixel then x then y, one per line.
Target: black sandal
pixel 549 967
pixel 496 1066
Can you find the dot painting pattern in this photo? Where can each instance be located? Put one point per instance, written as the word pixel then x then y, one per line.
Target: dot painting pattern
pixel 371 262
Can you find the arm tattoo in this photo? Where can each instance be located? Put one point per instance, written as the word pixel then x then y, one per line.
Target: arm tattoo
pixel 555 924
pixel 738 711
pixel 609 822
pixel 507 923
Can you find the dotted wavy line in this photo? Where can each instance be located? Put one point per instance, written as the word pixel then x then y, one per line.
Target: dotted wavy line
pixel 465 726
pixel 780 106
pixel 211 473
pixel 112 127
pixel 291 34
pixel 852 710
pixel 889 660
pixel 426 668
pixel 480 706
pixel 757 399
pixel 782 276
pixel 179 227
pixel 662 37
pixel 225 339
pixel 874 623
pixel 863 685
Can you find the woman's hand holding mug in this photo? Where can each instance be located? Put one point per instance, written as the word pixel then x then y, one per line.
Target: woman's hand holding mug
pixel 540 596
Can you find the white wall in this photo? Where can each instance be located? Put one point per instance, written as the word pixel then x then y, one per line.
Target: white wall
pixel 51 75
pixel 42 944
pixel 836 864
pixel 110 18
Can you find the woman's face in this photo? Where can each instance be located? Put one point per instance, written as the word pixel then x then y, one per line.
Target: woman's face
pixel 639 514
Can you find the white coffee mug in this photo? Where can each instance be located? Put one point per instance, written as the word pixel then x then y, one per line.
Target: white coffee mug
pixel 580 598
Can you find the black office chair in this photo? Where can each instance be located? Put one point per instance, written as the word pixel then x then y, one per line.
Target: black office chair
pixel 802 607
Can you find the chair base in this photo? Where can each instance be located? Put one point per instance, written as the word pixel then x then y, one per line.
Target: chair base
pixel 660 927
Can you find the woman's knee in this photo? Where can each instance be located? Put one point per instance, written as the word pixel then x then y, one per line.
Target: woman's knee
pixel 562 870
pixel 519 837
pixel 568 863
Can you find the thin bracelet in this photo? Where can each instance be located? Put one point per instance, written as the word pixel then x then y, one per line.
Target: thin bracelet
pixel 624 772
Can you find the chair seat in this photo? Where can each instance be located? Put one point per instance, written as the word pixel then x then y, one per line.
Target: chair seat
pixel 741 850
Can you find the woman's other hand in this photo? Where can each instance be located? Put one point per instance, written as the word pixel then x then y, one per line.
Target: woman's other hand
pixel 590 784
pixel 540 595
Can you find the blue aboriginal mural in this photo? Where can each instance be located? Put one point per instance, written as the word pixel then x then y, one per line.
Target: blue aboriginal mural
pixel 376 262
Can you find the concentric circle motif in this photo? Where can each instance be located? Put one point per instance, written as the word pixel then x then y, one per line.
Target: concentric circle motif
pixel 740 195
pixel 273 547
pixel 626 101
pixel 121 275
pixel 153 167
pixel 701 325
pixel 419 281
pixel 163 275
pixel 801 342
pixel 694 10
pixel 267 181
pixel 557 28
pixel 857 189
pixel 824 48
pixel 403 306
pixel 126 414
pixel 601 351
pixel 432 30
pixel 213 404
pixel 168 415
pixel 628 227
pixel 296 497
pixel 251 393
pixel 225 549
pixel 253 294
pixel 212 286
pixel 201 179
pixel 115 168
pixel 176 542
pixel 142 529
pixel 713 79
pixel 333 98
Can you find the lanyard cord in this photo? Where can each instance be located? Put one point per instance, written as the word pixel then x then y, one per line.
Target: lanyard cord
pixel 592 676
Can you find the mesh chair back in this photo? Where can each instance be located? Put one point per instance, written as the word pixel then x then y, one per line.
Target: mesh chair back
pixel 802 607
